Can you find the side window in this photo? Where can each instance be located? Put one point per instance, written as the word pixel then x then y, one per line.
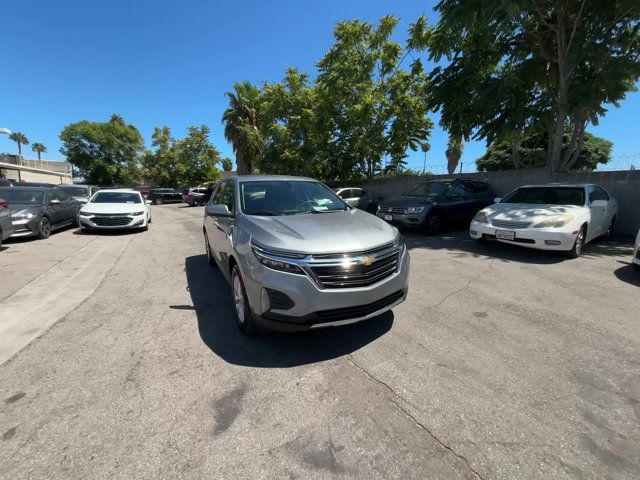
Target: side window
pixel 63 196
pixel 228 196
pixel 54 195
pixel 477 188
pixel 216 198
pixel 457 190
pixel 597 193
pixel 345 193
pixel 358 192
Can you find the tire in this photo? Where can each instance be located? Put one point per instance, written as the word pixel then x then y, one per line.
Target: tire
pixel 210 260
pixel 578 245
pixel 84 230
pixel 636 267
pixel 433 224
pixel 44 228
pixel 157 201
pixel 372 208
pixel 611 230
pixel 482 240
pixel 242 312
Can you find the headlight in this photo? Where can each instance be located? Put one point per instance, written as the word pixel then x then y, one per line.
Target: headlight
pixel 22 216
pixel 413 209
pixel 555 222
pixel 480 217
pixel 269 261
pixel 85 214
pixel 138 213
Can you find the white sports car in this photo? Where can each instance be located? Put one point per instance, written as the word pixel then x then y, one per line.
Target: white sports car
pixel 636 253
pixel 112 209
pixel 548 217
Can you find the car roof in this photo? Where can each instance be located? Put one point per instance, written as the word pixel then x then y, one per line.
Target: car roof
pixel 542 185
pixel 27 187
pixel 260 178
pixel 119 190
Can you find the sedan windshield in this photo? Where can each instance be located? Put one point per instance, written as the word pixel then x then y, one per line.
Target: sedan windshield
pixel 22 196
pixel 547 196
pixel 427 189
pixel 116 197
pixel 76 191
pixel 283 197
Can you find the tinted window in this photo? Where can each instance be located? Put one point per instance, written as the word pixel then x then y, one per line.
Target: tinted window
pixel 457 191
pixel 597 193
pixel 216 198
pixel 476 187
pixel 283 197
pixel 116 197
pixel 345 193
pixel 228 196
pixel 75 191
pixel 547 196
pixel 358 192
pixel 62 196
pixel 22 195
pixel 427 189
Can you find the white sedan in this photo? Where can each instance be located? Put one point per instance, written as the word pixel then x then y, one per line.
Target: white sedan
pixel 113 209
pixel 636 253
pixel 548 217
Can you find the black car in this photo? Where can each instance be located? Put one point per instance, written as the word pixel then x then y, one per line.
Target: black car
pixel 432 204
pixel 37 211
pixel 158 196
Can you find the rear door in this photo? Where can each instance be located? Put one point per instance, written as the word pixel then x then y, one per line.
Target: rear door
pixel 55 207
pixel 599 205
pixel 70 207
pixel 457 202
pixel 212 225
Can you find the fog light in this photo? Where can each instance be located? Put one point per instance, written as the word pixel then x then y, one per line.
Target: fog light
pixel 265 305
pixel 552 242
pixel 473 232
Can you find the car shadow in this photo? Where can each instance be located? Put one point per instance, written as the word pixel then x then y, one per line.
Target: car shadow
pixel 628 274
pixel 459 243
pixel 108 233
pixel 211 297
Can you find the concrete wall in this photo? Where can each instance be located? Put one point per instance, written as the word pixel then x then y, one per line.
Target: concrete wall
pixel 28 174
pixel 624 185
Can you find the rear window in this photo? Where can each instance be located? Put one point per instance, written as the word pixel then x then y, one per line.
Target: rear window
pixel 116 197
pixel 547 196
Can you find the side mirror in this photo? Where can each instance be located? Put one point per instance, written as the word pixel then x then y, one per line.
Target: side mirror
pixel 497 200
pixel 218 210
pixel 148 202
pixel 54 201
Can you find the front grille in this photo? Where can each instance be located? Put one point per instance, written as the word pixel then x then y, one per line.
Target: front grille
pixel 515 225
pixel 396 210
pixel 105 221
pixel 350 272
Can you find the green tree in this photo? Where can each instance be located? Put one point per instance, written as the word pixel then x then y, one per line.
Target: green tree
pixel 523 67
pixel 161 165
pixel 241 125
pixel 197 156
pixel 104 153
pixel 533 153
pixel 39 148
pixel 455 146
pixel 227 164
pixel 20 139
pixel 425 147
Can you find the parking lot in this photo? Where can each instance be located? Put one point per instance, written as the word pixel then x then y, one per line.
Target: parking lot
pixel 503 363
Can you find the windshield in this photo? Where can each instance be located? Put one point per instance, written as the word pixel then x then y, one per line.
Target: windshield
pixel 547 196
pixel 76 191
pixel 116 197
pixel 427 189
pixel 283 197
pixel 22 195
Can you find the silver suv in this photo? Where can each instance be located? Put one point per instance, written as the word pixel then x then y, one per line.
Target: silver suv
pixel 298 257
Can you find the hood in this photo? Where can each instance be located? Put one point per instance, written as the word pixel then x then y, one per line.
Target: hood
pixel 406 201
pixel 520 212
pixel 80 199
pixel 343 231
pixel 112 207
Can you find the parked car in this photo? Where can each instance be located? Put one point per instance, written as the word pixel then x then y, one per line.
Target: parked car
pixel 81 193
pixel 37 211
pixel 6 226
pixel 549 217
pixel 297 257
pixel 114 209
pixel 430 205
pixel 34 184
pixel 6 183
pixel 158 196
pixel 193 196
pixel 359 198
pixel 636 254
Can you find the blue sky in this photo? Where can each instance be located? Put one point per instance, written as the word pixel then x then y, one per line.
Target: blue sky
pixel 161 62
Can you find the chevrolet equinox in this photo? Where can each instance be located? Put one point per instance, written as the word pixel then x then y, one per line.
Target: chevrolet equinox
pixel 298 257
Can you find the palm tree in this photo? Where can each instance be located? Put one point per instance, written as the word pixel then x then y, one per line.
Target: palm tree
pixel 20 139
pixel 241 125
pixel 227 164
pixel 39 148
pixel 426 146
pixel 455 146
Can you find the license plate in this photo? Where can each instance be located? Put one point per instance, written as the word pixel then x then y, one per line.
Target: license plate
pixel 388 218
pixel 505 235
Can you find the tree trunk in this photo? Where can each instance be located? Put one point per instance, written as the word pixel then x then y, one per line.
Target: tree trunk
pixel 39 155
pixel 20 150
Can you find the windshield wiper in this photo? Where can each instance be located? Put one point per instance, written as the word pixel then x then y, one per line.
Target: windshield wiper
pixel 265 214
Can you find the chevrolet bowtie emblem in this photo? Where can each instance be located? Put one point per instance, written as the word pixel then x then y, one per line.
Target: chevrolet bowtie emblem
pixel 366 261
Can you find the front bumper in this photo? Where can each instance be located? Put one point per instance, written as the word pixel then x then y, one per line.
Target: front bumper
pixel 112 222
pixel 315 307
pixel 538 238
pixel 636 255
pixel 26 228
pixel 403 219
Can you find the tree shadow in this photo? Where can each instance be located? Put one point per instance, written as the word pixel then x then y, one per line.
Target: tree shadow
pixel 211 297
pixel 628 274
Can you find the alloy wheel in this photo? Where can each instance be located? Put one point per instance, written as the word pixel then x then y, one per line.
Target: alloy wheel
pixel 238 298
pixel 579 242
pixel 45 227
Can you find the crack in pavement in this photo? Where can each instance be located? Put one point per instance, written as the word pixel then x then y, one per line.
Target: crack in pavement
pixel 396 397
pixel 467 285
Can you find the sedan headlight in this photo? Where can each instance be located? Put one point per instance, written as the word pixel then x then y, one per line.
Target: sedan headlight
pixel 137 213
pixel 481 217
pixel 23 216
pixel 413 209
pixel 557 221
pixel 85 214
pixel 270 261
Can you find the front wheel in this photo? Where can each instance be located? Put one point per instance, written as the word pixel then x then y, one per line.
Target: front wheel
pixel 433 224
pixel 610 231
pixel 576 251
pixel 44 228
pixel 243 315
pixel 372 208
pixel 210 260
pixel 158 201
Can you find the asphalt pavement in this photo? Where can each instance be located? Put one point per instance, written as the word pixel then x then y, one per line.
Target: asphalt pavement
pixel 503 363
